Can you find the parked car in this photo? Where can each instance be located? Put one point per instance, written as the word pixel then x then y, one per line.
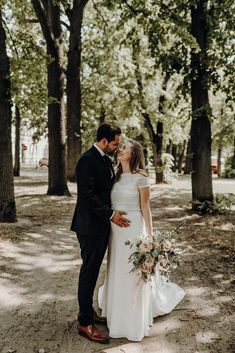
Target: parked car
pixel 43 162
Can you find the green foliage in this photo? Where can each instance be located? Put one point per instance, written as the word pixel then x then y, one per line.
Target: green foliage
pixel 28 65
pixel 229 173
pixel 168 162
pixel 220 205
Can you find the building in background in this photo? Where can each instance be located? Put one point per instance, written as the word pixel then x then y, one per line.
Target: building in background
pixel 30 152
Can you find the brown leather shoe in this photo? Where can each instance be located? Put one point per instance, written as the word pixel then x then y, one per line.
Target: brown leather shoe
pixel 93 334
pixel 99 320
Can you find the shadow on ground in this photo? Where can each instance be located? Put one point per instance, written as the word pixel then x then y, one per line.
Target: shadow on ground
pixel 39 264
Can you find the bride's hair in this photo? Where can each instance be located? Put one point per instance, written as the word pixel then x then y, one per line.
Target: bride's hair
pixel 136 162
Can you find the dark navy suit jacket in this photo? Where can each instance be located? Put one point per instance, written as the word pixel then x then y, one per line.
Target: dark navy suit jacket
pixel 94 183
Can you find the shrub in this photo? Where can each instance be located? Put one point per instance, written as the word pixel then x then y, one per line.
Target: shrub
pixel 220 205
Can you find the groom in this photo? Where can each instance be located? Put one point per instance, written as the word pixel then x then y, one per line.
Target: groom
pixel 91 222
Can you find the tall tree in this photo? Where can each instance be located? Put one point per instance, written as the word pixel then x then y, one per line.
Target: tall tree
pixel 201 126
pixel 48 14
pixel 73 90
pixel 7 199
pixel 17 142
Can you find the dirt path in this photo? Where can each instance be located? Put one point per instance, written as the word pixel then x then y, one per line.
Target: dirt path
pixel 39 263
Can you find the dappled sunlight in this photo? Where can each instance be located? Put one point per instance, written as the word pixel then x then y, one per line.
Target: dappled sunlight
pixel 161 345
pixel 195 292
pixel 193 279
pixel 226 227
pixel 163 327
pixel 39 266
pixel 11 294
pixel 224 299
pixel 206 336
pixel 218 276
pixel 208 309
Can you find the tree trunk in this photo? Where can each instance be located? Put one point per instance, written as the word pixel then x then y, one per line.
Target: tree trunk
pixel 219 155
pixel 181 156
pixel 155 137
pixel 159 163
pixel 174 154
pixel 56 114
pixel 233 159
pixel 17 143
pixel 102 115
pixel 7 198
pixel 168 147
pixel 74 142
pixel 49 18
pixel 188 158
pixel 201 127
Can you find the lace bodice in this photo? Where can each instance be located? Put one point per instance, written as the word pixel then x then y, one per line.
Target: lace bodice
pixel 125 193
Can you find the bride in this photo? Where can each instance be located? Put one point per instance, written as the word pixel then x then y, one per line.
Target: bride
pixel 129 307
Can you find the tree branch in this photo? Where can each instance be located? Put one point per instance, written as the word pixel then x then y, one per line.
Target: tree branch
pixel 42 18
pixel 136 11
pixel 101 16
pixel 12 39
pixel 65 25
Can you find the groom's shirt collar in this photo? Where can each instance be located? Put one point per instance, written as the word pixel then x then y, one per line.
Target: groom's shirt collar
pixel 101 152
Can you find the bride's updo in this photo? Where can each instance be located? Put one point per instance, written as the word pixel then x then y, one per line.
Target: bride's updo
pixel 136 162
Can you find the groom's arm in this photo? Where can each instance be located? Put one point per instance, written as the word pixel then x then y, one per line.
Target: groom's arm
pixel 86 189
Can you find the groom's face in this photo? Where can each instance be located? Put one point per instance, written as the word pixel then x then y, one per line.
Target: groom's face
pixel 112 146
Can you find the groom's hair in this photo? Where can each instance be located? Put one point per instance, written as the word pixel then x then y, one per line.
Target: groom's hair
pixel 107 131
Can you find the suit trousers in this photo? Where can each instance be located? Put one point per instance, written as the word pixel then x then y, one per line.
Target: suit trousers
pixel 92 254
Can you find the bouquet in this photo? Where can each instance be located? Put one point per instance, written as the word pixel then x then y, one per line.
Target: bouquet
pixel 154 253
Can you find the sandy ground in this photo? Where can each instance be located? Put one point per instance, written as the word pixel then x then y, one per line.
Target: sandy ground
pixel 39 265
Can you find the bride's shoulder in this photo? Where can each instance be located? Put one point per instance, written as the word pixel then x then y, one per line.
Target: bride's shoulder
pixel 142 172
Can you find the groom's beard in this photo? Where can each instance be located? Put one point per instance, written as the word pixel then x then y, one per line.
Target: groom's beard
pixel 107 151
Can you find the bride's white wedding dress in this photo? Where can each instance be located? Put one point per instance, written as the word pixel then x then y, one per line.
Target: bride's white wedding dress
pixel 130 309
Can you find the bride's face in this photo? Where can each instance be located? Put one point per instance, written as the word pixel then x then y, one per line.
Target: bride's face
pixel 124 152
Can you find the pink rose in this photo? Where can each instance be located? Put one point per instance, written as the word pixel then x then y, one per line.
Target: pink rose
pixel 166 245
pixel 156 245
pixel 145 268
pixel 145 246
pixel 149 262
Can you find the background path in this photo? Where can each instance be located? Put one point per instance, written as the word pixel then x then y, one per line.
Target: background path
pixel 39 264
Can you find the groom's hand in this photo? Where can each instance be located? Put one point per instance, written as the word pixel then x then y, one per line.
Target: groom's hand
pixel 119 220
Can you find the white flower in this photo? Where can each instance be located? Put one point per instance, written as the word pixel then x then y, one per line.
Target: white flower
pixel 145 246
pixel 167 245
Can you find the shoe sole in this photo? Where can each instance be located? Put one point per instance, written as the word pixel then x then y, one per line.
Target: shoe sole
pixel 92 339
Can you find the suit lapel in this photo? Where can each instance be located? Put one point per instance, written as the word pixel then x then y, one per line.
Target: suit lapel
pixel 104 165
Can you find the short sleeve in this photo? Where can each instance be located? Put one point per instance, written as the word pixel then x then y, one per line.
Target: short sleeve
pixel 143 182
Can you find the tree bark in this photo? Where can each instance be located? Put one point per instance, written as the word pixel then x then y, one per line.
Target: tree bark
pixel 233 159
pixel 188 158
pixel 7 198
pixel 158 143
pixel 181 156
pixel 17 142
pixel 155 137
pixel 102 115
pixel 168 147
pixel 49 19
pixel 219 155
pixel 174 154
pixel 74 142
pixel 201 127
